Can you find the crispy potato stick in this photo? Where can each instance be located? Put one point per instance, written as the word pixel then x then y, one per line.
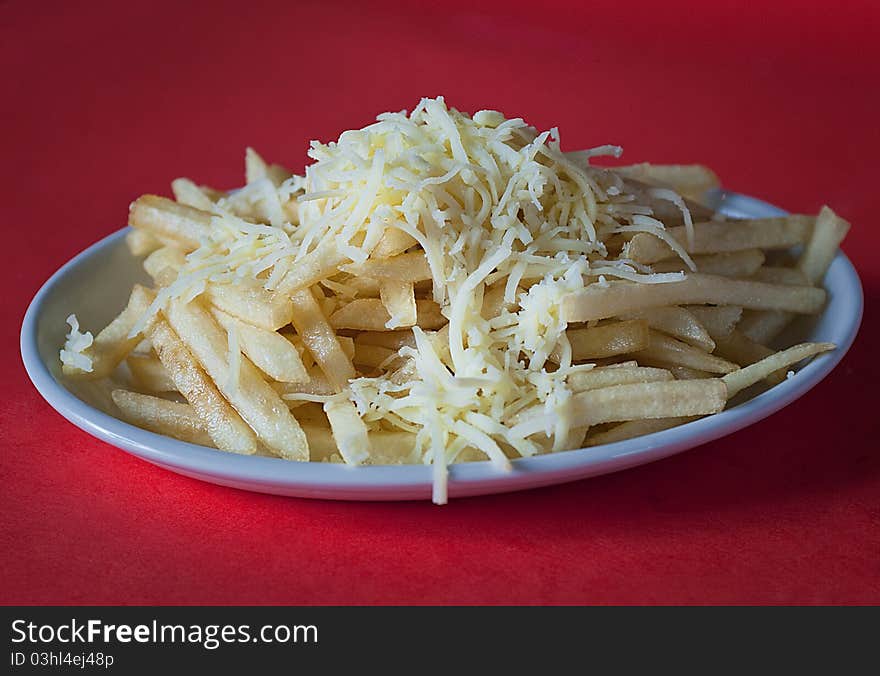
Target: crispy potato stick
pixel 718 237
pixel 663 209
pixel 169 220
pixel 828 233
pixel 112 344
pixel 606 340
pixel 372 356
pixel 690 180
pixel 665 350
pixel 163 264
pixel 606 376
pixel 764 326
pixel 600 302
pixel 149 374
pixel 676 322
pixel 318 386
pixel 734 264
pixel 347 344
pixel 225 427
pixel 685 373
pixel 743 378
pixel 161 416
pixel 718 320
pixel 363 287
pixel 322 262
pixel 141 242
pixel 252 304
pixel 393 340
pixel 399 300
pixel 775 275
pixel 636 428
pixel 321 341
pixel 251 396
pixel 368 314
pixel 740 349
pixel 393 242
pixel 188 193
pixel 349 431
pixel 388 448
pixel 410 267
pixel 619 403
pixel 270 352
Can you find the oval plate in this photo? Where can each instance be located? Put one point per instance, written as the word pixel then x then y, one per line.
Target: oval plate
pixel 96 283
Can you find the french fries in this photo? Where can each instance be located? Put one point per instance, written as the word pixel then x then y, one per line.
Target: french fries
pixel 487 298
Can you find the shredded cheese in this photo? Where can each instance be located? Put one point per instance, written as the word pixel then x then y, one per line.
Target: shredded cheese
pixel 73 354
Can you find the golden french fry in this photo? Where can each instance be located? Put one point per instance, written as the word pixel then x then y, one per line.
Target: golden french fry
pixel 616 298
pixel 606 340
pixel 393 242
pixel 668 399
pixel 755 373
pixel 718 237
pixel 188 193
pixel 269 351
pixel 393 340
pixel 685 373
pixel 828 233
pixel 113 343
pixel 676 322
pixel 252 304
pixel 410 267
pixel 317 386
pixel 606 376
pixel 169 220
pixel 764 326
pixel 349 431
pixel 667 351
pixel 161 416
pixel 372 356
pixel 149 374
pixel 636 428
pixel 225 427
pixel 733 264
pixel 256 169
pixel 368 314
pixel 322 262
pixel 317 335
pixel 164 264
pixel 251 396
pixel 399 300
pixel 690 180
pixel 740 349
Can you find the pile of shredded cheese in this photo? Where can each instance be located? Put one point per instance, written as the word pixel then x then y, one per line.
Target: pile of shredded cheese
pixel 496 207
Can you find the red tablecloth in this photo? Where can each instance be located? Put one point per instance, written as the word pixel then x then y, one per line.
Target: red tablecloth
pixel 103 102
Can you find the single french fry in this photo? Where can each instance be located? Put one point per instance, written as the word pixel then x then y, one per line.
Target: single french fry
pixel 269 351
pixel 169 220
pixel 318 336
pixel 676 322
pixel 663 209
pixel 388 448
pixel 349 431
pixel 606 376
pixel 606 340
pixel 113 343
pixel 763 326
pixel 252 304
pixel 399 300
pixel 690 180
pixel 740 349
pixel 616 298
pixel 251 396
pixel 368 314
pixel 718 237
pixel 256 169
pixel 318 264
pixel 408 267
pixel 164 264
pixel 141 242
pixel 733 264
pixel 665 350
pixel 718 320
pixel 372 356
pixel 188 193
pixel 393 242
pixel 827 235
pixel 636 428
pixel 685 373
pixel 667 399
pixel 754 373
pixel 149 374
pixel 161 416
pixel 222 423
pixel 317 386
pixel 494 303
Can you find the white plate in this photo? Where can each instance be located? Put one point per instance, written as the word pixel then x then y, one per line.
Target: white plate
pixel 96 284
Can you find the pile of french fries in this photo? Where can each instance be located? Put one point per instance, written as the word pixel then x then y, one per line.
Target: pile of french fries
pixel 255 370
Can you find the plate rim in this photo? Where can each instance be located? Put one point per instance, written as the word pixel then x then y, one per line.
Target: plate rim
pixel 403 482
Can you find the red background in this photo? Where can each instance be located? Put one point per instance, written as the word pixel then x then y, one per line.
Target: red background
pixel 101 103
